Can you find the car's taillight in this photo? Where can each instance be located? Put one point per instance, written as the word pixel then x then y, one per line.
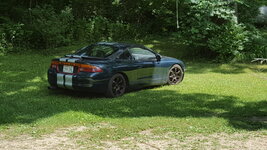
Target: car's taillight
pixel 54 64
pixel 89 68
pixel 81 67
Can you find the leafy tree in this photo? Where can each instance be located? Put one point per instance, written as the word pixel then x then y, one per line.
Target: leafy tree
pixel 214 25
pixel 223 28
pixel 48 28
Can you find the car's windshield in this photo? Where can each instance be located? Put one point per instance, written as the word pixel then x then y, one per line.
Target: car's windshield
pixel 101 51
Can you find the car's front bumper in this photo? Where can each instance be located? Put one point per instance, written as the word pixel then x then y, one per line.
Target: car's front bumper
pixel 92 82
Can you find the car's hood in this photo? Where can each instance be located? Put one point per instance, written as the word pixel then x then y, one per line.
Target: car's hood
pixel 171 59
pixel 166 58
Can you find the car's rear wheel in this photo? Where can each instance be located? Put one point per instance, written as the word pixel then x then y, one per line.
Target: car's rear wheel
pixel 116 86
pixel 175 75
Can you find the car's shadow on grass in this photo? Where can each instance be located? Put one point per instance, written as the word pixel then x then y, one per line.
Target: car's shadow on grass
pixel 30 106
pixel 92 95
pixel 79 95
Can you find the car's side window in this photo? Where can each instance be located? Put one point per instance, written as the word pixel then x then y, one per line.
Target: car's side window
pixel 142 54
pixel 125 56
pixel 101 51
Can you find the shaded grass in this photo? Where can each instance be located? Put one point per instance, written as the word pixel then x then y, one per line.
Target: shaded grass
pixel 212 98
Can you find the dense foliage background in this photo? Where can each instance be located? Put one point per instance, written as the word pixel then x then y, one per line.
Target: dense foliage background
pixel 226 29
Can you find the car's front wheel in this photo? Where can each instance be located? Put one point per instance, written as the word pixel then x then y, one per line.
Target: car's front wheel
pixel 116 86
pixel 175 75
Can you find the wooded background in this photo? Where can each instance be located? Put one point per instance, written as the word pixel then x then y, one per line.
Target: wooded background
pixel 228 30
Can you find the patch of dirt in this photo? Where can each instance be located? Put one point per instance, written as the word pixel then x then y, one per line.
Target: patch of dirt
pixel 146 132
pixel 60 139
pixel 146 139
pixel 249 141
pixel 105 125
pixel 57 140
pixel 259 76
pixel 228 141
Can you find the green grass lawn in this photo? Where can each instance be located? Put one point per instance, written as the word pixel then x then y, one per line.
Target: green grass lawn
pixel 213 98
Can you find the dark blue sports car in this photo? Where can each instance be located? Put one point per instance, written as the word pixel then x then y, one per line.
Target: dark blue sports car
pixel 112 68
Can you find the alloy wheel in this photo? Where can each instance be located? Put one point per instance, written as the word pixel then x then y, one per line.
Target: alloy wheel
pixel 118 86
pixel 175 75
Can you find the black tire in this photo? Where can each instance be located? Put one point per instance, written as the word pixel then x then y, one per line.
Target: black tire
pixel 175 75
pixel 116 86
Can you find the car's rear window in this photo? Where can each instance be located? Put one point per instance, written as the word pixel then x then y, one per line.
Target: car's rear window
pixel 101 51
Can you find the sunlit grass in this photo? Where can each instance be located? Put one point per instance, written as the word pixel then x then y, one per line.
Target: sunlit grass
pixel 212 98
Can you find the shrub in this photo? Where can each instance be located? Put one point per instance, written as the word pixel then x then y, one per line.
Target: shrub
pixel 4 45
pixel 97 29
pixel 101 29
pixel 121 31
pixel 213 25
pixel 49 28
pixel 204 18
pixel 79 30
pixel 229 41
pixel 11 35
pixel 256 47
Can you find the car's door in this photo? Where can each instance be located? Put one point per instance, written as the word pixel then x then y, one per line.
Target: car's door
pixel 149 70
pixel 126 64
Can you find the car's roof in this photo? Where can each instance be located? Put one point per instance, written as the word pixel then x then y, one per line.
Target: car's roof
pixel 120 45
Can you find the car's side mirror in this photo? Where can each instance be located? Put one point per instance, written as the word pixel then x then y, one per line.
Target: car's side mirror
pixel 158 57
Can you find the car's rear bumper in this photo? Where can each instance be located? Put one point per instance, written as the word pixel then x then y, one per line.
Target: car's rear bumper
pixel 91 82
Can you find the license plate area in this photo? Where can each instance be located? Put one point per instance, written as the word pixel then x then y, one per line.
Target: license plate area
pixel 68 69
